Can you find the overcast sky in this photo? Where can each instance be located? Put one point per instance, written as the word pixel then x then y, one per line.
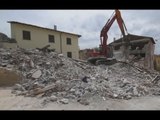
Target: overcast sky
pixel 87 23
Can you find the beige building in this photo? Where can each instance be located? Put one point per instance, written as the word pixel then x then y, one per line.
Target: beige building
pixel 32 36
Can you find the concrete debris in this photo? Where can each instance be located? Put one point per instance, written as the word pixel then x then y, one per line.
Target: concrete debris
pixel 104 98
pixel 84 79
pixel 156 79
pixel 53 98
pixel 64 101
pixel 37 74
pixel 83 101
pixel 59 78
pixel 31 64
pixel 18 87
pixel 115 95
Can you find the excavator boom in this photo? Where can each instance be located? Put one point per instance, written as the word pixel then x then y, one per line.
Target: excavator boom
pixel 105 29
pixel 106 53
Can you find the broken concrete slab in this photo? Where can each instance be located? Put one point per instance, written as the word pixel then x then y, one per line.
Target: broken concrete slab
pixel 64 101
pixel 83 101
pixel 37 74
pixel 53 98
pixel 18 87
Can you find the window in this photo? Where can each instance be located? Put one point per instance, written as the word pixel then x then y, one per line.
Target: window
pixel 68 41
pixel 69 54
pixel 51 38
pixel 26 35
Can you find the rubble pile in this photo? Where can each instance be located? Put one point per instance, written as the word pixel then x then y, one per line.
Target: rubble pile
pixel 58 78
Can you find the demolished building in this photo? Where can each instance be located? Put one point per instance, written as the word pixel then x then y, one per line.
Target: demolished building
pixel 140 50
pixel 6 42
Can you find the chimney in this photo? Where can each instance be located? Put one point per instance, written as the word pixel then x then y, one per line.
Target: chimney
pixel 114 39
pixel 55 27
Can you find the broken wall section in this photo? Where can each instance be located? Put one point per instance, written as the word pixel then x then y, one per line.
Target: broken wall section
pixel 140 51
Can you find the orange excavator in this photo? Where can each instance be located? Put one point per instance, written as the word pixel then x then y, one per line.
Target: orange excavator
pixel 105 53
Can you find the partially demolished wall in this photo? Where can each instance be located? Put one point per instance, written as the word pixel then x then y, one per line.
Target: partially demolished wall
pixel 140 51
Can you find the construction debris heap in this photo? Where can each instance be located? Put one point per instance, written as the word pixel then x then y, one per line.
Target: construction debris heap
pixel 58 78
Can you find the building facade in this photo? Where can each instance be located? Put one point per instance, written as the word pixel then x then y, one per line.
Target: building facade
pixel 31 36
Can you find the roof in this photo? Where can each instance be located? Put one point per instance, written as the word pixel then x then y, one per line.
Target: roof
pixel 132 37
pixel 15 22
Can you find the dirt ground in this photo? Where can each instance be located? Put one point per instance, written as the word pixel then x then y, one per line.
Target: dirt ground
pixel 9 101
pixel 8 78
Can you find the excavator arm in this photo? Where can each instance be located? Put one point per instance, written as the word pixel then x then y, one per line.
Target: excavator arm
pixel 105 29
pixel 105 54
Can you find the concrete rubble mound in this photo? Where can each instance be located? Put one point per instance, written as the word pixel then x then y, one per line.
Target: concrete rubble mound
pixel 58 78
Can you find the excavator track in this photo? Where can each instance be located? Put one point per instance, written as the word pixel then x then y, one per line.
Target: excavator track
pixel 102 61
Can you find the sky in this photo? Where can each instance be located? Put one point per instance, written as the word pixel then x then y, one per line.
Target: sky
pixel 87 23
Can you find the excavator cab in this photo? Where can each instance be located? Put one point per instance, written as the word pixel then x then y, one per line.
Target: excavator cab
pixel 98 59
